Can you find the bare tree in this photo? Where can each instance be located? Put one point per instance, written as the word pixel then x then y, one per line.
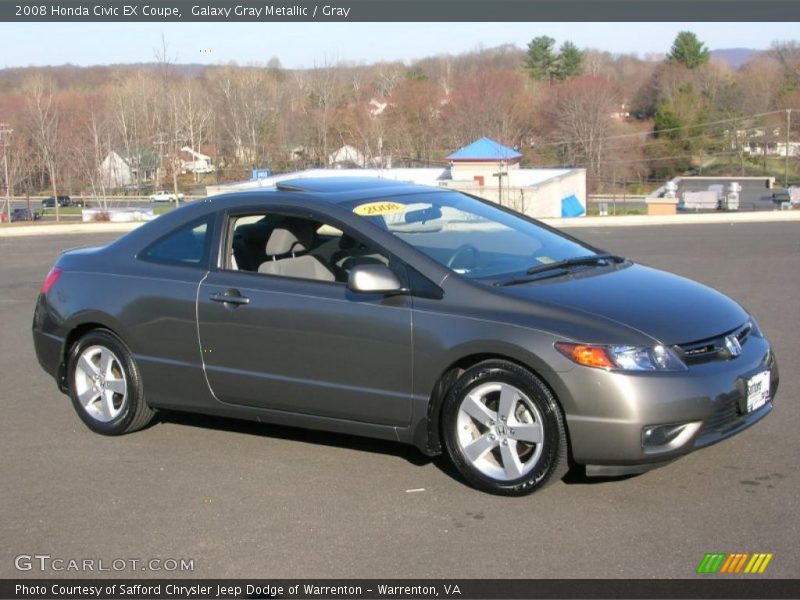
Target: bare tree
pixel 581 113
pixel 243 110
pixel 414 121
pixel 97 134
pixel 387 78
pixel 43 126
pixel 194 115
pixel 492 103
pixel 323 89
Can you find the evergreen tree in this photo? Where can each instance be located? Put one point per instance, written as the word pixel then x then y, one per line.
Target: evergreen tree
pixel 570 61
pixel 540 61
pixel 688 51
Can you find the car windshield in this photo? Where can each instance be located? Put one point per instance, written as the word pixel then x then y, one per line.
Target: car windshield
pixel 469 236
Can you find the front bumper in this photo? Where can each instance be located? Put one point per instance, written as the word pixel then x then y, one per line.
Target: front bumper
pixel 607 411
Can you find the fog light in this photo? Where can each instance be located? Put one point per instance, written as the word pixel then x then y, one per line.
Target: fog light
pixel 661 435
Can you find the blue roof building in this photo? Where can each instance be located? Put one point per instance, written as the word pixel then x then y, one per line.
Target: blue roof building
pixel 485 150
pixel 485 168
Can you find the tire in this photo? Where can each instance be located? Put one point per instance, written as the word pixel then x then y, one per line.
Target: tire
pixel 105 385
pixel 496 411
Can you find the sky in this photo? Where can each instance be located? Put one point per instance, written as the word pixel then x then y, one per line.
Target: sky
pixel 299 45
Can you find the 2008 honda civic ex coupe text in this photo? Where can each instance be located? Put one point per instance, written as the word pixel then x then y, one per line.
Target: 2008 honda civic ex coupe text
pixel 409 313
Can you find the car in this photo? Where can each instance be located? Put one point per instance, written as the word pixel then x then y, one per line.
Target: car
pixel 408 313
pixel 165 196
pixel 24 214
pixel 787 197
pixel 63 201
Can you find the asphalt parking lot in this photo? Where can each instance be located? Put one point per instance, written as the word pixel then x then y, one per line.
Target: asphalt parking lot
pixel 250 500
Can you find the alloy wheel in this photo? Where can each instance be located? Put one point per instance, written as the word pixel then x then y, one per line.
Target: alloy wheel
pixel 100 383
pixel 500 431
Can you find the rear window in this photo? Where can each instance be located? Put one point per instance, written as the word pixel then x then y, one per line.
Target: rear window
pixel 187 245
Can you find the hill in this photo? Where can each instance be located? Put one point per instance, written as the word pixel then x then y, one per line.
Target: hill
pixel 735 57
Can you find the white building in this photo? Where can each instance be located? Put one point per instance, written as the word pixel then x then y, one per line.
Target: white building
pixel 347 156
pixel 121 169
pixel 197 162
pixel 484 168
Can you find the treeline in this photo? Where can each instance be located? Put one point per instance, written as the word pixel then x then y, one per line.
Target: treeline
pixel 622 117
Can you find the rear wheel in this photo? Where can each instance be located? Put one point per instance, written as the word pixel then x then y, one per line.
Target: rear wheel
pixel 504 430
pixel 105 385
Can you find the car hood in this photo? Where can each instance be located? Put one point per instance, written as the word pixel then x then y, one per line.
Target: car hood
pixel 663 306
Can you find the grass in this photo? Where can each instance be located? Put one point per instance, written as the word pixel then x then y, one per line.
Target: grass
pixel 753 168
pixel 76 211
pixel 63 211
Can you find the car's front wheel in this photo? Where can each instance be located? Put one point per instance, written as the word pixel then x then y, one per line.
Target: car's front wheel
pixel 105 385
pixel 503 429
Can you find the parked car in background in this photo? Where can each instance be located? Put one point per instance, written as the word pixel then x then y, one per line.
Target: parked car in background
pixel 24 214
pixel 63 201
pixel 789 196
pixel 407 313
pixel 165 196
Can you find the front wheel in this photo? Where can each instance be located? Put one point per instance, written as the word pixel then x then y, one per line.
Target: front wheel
pixel 503 429
pixel 105 385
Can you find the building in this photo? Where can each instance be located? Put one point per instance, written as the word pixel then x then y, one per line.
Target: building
pixel 346 157
pixel 712 193
pixel 195 162
pixel 349 157
pixel 120 169
pixel 490 170
pixel 484 168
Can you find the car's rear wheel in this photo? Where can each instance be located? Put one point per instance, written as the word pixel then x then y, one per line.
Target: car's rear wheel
pixel 503 429
pixel 105 385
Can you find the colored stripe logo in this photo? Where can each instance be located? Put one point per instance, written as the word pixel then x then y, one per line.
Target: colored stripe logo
pixel 734 563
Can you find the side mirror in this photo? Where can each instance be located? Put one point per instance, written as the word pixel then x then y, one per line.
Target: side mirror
pixel 374 279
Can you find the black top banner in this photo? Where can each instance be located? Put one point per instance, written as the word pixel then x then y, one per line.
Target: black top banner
pixel 401 10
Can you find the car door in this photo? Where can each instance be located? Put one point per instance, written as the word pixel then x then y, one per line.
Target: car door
pixel 306 346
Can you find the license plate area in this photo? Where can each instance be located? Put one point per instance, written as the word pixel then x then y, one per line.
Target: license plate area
pixel 757 391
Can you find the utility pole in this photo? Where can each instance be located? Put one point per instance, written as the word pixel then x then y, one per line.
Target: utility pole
pixel 5 134
pixel 786 156
pixel 160 143
pixel 500 174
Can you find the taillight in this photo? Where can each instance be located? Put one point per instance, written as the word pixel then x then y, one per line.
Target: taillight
pixel 51 278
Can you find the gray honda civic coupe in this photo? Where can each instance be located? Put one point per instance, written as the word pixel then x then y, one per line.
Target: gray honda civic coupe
pixel 409 313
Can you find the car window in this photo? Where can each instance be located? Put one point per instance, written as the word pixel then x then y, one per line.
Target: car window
pixel 186 245
pixel 289 246
pixel 471 237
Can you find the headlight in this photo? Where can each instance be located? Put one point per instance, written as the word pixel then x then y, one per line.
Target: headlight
pixel 754 328
pixel 622 358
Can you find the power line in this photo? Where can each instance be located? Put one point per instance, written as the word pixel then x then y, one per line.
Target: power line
pixel 667 130
pixel 638 134
pixel 644 160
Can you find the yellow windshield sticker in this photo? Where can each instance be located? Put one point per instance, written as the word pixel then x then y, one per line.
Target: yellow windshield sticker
pixel 545 259
pixel 378 208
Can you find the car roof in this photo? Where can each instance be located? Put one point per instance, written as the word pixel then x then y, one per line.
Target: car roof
pixel 343 189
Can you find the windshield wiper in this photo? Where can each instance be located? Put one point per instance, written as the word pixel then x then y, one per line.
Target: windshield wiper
pixel 571 262
pixel 560 267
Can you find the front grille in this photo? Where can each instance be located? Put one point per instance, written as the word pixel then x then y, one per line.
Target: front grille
pixel 711 349
pixel 726 415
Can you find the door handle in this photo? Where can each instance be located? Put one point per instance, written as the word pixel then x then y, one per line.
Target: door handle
pixel 230 298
